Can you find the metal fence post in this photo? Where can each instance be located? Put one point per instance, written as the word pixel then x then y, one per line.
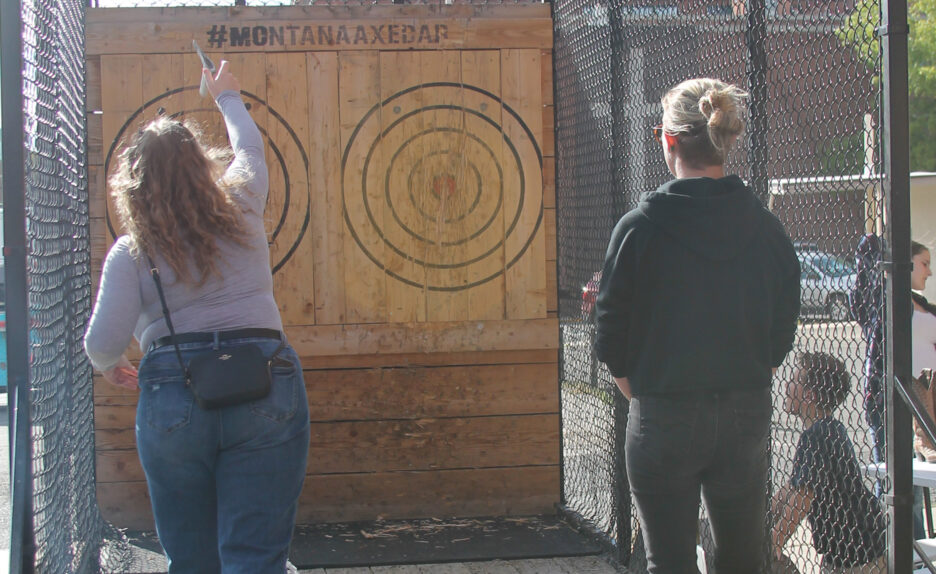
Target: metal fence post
pixel 22 546
pixel 894 32
pixel 757 80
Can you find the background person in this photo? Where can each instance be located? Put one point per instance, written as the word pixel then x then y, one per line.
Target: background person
pixel 847 522
pixel 224 483
pixel 698 302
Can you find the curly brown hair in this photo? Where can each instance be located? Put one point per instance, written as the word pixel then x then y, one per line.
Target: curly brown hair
pixel 826 376
pixel 171 195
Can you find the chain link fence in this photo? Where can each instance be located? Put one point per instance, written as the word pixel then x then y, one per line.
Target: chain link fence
pixel 67 530
pixel 811 154
pixel 272 3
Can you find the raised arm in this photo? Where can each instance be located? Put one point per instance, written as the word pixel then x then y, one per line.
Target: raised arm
pixel 246 139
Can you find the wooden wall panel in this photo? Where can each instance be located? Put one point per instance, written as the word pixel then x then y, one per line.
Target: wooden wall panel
pixel 411 220
pixel 292 249
pixel 397 445
pixel 327 221
pixel 520 491
pixel 526 274
pixel 488 300
pixel 405 302
pixel 365 287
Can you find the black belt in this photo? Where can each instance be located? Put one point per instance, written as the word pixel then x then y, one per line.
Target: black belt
pixel 209 337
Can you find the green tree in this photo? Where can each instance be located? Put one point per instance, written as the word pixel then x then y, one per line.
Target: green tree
pixel 859 33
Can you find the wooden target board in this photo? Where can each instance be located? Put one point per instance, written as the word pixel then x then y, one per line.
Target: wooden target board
pixel 411 223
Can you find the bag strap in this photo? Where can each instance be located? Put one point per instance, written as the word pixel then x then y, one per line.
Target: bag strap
pixel 154 271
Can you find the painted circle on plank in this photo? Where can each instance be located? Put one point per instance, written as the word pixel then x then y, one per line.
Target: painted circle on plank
pixel 440 186
pixel 288 208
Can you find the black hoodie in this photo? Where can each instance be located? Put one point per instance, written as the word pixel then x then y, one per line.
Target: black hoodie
pixel 699 291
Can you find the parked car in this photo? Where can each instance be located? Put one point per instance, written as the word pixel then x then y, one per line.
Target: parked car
pixel 825 282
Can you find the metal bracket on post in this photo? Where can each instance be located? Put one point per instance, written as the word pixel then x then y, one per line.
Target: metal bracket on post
pixel 892 30
pixel 895 266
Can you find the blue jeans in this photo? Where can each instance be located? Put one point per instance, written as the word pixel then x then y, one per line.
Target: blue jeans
pixel 710 444
pixel 224 484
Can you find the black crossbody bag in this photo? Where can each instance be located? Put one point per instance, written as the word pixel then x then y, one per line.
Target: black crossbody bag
pixel 221 378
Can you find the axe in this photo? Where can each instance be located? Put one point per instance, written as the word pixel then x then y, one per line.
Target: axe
pixel 206 63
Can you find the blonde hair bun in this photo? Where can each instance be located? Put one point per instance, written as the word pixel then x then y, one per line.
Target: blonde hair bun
pixel 709 103
pixel 720 108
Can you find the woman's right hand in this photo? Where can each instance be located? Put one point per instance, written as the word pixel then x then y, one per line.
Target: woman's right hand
pixel 123 374
pixel 223 80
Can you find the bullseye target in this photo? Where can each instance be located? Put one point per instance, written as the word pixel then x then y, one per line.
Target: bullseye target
pixel 436 179
pixel 288 211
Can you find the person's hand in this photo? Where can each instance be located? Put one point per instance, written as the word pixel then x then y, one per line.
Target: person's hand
pixel 223 80
pixel 123 374
pixel 623 384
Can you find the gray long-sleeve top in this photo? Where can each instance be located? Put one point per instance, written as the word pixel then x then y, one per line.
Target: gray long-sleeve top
pixel 239 296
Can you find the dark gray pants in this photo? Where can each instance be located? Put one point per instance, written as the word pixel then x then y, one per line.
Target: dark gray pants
pixel 714 445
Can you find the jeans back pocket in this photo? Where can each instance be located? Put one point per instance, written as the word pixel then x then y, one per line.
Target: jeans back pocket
pixel 283 400
pixel 166 402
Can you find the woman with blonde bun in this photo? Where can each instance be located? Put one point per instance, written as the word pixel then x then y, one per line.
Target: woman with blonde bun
pixel 697 308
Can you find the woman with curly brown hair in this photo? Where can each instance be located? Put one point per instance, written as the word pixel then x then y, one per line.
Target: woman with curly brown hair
pixel 192 277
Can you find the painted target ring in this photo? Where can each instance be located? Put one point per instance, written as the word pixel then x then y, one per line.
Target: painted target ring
pixel 293 216
pixel 435 186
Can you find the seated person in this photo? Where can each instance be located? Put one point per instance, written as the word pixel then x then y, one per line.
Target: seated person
pixel 847 522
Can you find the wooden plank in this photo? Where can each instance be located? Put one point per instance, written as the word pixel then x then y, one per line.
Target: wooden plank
pixel 549 219
pixel 164 73
pixel 308 29
pixel 402 184
pixel 110 417
pixel 171 15
pixel 546 75
pixel 364 394
pixel 432 444
pixel 552 288
pixel 447 337
pixel 370 394
pixel 93 83
pixel 95 139
pixel 114 439
pixel 408 360
pixel 520 491
pixel 122 83
pixel 487 300
pixel 126 505
pixel 97 192
pixel 316 365
pixel 292 251
pixel 526 278
pixel 117 466
pixel 549 182
pixel 325 166
pixel 549 131
pixel 381 446
pixel 365 286
pixel 121 97
pixel 451 181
